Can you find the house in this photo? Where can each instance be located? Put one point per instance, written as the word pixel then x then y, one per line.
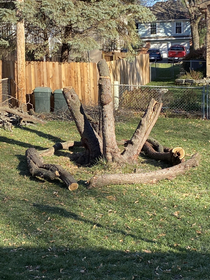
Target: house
pixel 171 27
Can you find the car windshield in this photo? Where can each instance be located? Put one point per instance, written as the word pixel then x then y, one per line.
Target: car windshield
pixel 177 48
pixel 153 51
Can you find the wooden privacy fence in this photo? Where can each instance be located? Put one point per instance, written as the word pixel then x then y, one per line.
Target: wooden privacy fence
pixel 83 77
pixel 136 72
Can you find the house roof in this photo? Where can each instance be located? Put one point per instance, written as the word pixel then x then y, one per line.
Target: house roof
pixel 170 10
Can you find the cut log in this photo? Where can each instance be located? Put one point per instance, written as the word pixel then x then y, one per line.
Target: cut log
pixel 37 168
pixel 60 146
pixel 24 117
pixel 156 145
pixel 144 178
pixel 173 156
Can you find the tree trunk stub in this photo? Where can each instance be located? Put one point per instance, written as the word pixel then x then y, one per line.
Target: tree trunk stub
pixel 110 149
pixel 142 132
pixel 89 138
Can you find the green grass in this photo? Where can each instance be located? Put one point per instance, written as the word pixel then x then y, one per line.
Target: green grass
pixel 164 74
pixel 145 232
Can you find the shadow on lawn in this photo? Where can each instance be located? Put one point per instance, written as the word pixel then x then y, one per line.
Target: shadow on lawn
pixel 23 263
pixel 81 260
pixel 44 135
pixel 66 214
pixel 28 145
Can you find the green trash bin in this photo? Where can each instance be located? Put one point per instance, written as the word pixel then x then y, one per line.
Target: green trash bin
pixel 60 104
pixel 42 99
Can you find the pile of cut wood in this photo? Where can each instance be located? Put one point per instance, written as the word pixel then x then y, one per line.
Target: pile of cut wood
pixel 10 117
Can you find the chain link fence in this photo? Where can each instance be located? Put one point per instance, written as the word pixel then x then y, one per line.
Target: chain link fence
pixel 186 101
pixel 161 71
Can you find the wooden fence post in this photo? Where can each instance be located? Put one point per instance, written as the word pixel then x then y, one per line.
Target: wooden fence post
pixel 21 87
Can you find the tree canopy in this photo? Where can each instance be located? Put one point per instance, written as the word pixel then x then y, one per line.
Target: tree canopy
pixel 75 26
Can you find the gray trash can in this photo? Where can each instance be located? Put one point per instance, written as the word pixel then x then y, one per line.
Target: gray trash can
pixel 60 104
pixel 42 99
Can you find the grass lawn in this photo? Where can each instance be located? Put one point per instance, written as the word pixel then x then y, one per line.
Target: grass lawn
pixel 164 74
pixel 146 232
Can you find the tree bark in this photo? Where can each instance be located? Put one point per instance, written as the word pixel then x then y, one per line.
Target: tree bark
pixel 111 151
pixel 64 52
pixel 195 34
pixel 167 155
pixel 21 77
pixel 134 146
pixel 65 46
pixel 89 138
pixel 144 178
pixel 195 17
pixel 37 168
pixel 23 116
pixel 60 146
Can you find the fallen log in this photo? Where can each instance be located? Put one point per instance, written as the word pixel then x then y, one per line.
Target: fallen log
pixel 37 168
pixel 60 146
pixel 173 156
pixel 23 117
pixel 144 178
pixel 10 117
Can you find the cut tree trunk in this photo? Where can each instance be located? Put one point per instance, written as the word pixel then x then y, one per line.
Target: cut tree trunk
pixel 106 146
pixel 37 168
pixel 89 138
pixel 144 178
pixel 169 155
pixel 135 144
pixel 111 151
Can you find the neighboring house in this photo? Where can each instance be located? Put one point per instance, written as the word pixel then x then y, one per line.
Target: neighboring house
pixel 171 27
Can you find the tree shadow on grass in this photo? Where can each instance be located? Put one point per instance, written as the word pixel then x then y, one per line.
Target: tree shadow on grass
pixel 23 263
pixel 80 258
pixel 16 142
pixel 43 135
pixel 66 214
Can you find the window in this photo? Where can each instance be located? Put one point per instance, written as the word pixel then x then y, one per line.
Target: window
pixel 153 28
pixel 178 27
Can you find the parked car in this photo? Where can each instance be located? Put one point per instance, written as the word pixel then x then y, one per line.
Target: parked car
pixel 154 54
pixel 176 53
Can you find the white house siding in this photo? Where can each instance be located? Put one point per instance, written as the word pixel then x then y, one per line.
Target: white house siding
pixel 166 35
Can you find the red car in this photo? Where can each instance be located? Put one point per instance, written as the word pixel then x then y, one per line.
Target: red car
pixel 176 53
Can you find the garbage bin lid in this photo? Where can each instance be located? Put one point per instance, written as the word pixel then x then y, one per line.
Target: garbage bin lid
pixel 42 89
pixel 58 91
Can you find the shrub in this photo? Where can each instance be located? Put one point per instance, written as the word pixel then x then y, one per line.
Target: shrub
pixel 195 75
